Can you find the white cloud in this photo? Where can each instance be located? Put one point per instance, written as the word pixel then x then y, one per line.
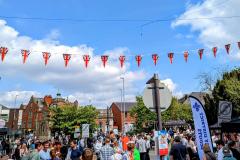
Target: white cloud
pixel 214 31
pixel 169 83
pixel 8 98
pixel 96 82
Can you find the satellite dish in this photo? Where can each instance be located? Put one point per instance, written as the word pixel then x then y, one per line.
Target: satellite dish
pixel 165 97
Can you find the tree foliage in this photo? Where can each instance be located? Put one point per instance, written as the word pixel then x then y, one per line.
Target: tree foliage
pixel 65 118
pixel 177 111
pixel 227 88
pixel 144 116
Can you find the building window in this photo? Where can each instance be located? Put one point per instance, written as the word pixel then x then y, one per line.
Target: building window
pixel 29 124
pixel 30 114
pixel 125 114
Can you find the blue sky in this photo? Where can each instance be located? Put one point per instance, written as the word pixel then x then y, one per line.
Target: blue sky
pixel 114 38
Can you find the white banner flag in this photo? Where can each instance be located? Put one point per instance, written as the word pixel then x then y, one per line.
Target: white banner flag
pixel 201 126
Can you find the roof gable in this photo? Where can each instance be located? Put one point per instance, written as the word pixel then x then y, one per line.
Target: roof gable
pixel 128 105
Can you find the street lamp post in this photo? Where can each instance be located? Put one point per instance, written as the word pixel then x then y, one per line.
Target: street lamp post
pixel 15 101
pixel 123 90
pixel 121 107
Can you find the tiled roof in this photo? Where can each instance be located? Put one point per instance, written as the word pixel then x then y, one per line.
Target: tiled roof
pixel 3 107
pixel 128 105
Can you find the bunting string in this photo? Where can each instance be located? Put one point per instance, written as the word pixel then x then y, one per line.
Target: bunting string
pixel 122 58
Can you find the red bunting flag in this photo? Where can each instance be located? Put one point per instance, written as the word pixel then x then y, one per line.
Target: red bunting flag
pixel 66 58
pixel 170 56
pixel 3 51
pixel 122 60
pixel 227 47
pixel 25 54
pixel 46 56
pixel 104 60
pixel 239 45
pixel 155 59
pixel 200 53
pixel 86 59
pixel 138 59
pixel 214 51
pixel 186 54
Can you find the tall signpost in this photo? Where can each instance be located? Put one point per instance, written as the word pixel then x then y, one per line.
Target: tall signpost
pixel 157 97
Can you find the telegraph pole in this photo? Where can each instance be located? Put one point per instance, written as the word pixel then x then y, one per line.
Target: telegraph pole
pixel 107 119
pixel 156 98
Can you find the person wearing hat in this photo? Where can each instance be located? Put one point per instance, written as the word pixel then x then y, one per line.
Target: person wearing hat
pixel 226 154
pixel 178 150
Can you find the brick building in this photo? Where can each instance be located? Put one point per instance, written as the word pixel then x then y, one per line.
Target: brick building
pixel 119 115
pixel 102 119
pixel 35 115
pixel 15 121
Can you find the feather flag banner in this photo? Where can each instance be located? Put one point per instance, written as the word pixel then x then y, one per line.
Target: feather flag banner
pixel 200 53
pixel 104 59
pixel 86 59
pixel 214 49
pixel 46 56
pixel 138 59
pixel 3 51
pixel 25 54
pixel 122 60
pixel 66 58
pixel 170 56
pixel 186 54
pixel 155 59
pixel 227 47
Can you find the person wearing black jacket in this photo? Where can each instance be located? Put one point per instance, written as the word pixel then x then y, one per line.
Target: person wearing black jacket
pixel 235 153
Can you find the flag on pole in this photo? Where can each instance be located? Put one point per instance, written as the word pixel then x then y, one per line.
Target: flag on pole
pixel 201 125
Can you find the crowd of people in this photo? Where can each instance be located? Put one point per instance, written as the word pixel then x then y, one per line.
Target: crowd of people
pixel 181 146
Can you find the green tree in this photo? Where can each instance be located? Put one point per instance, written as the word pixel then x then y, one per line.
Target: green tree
pixel 143 116
pixel 227 88
pixel 177 111
pixel 65 118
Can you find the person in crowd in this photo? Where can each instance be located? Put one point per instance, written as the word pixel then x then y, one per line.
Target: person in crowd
pixel 148 147
pixel 64 150
pixel 227 154
pixel 141 146
pixel 74 153
pixel 107 151
pixel 98 146
pixel 184 139
pixel 178 150
pixel 117 155
pixel 24 151
pixel 232 147
pixel 208 154
pixel 54 155
pixel 191 148
pixel 124 140
pixel 117 151
pixel 16 154
pixel 57 149
pixel 129 155
pixel 220 145
pixel 45 152
pixel 136 153
pixel 34 155
pixel 215 138
pixel 87 154
pixel 116 147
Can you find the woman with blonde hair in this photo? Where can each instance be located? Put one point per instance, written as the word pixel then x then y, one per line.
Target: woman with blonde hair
pixel 208 154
